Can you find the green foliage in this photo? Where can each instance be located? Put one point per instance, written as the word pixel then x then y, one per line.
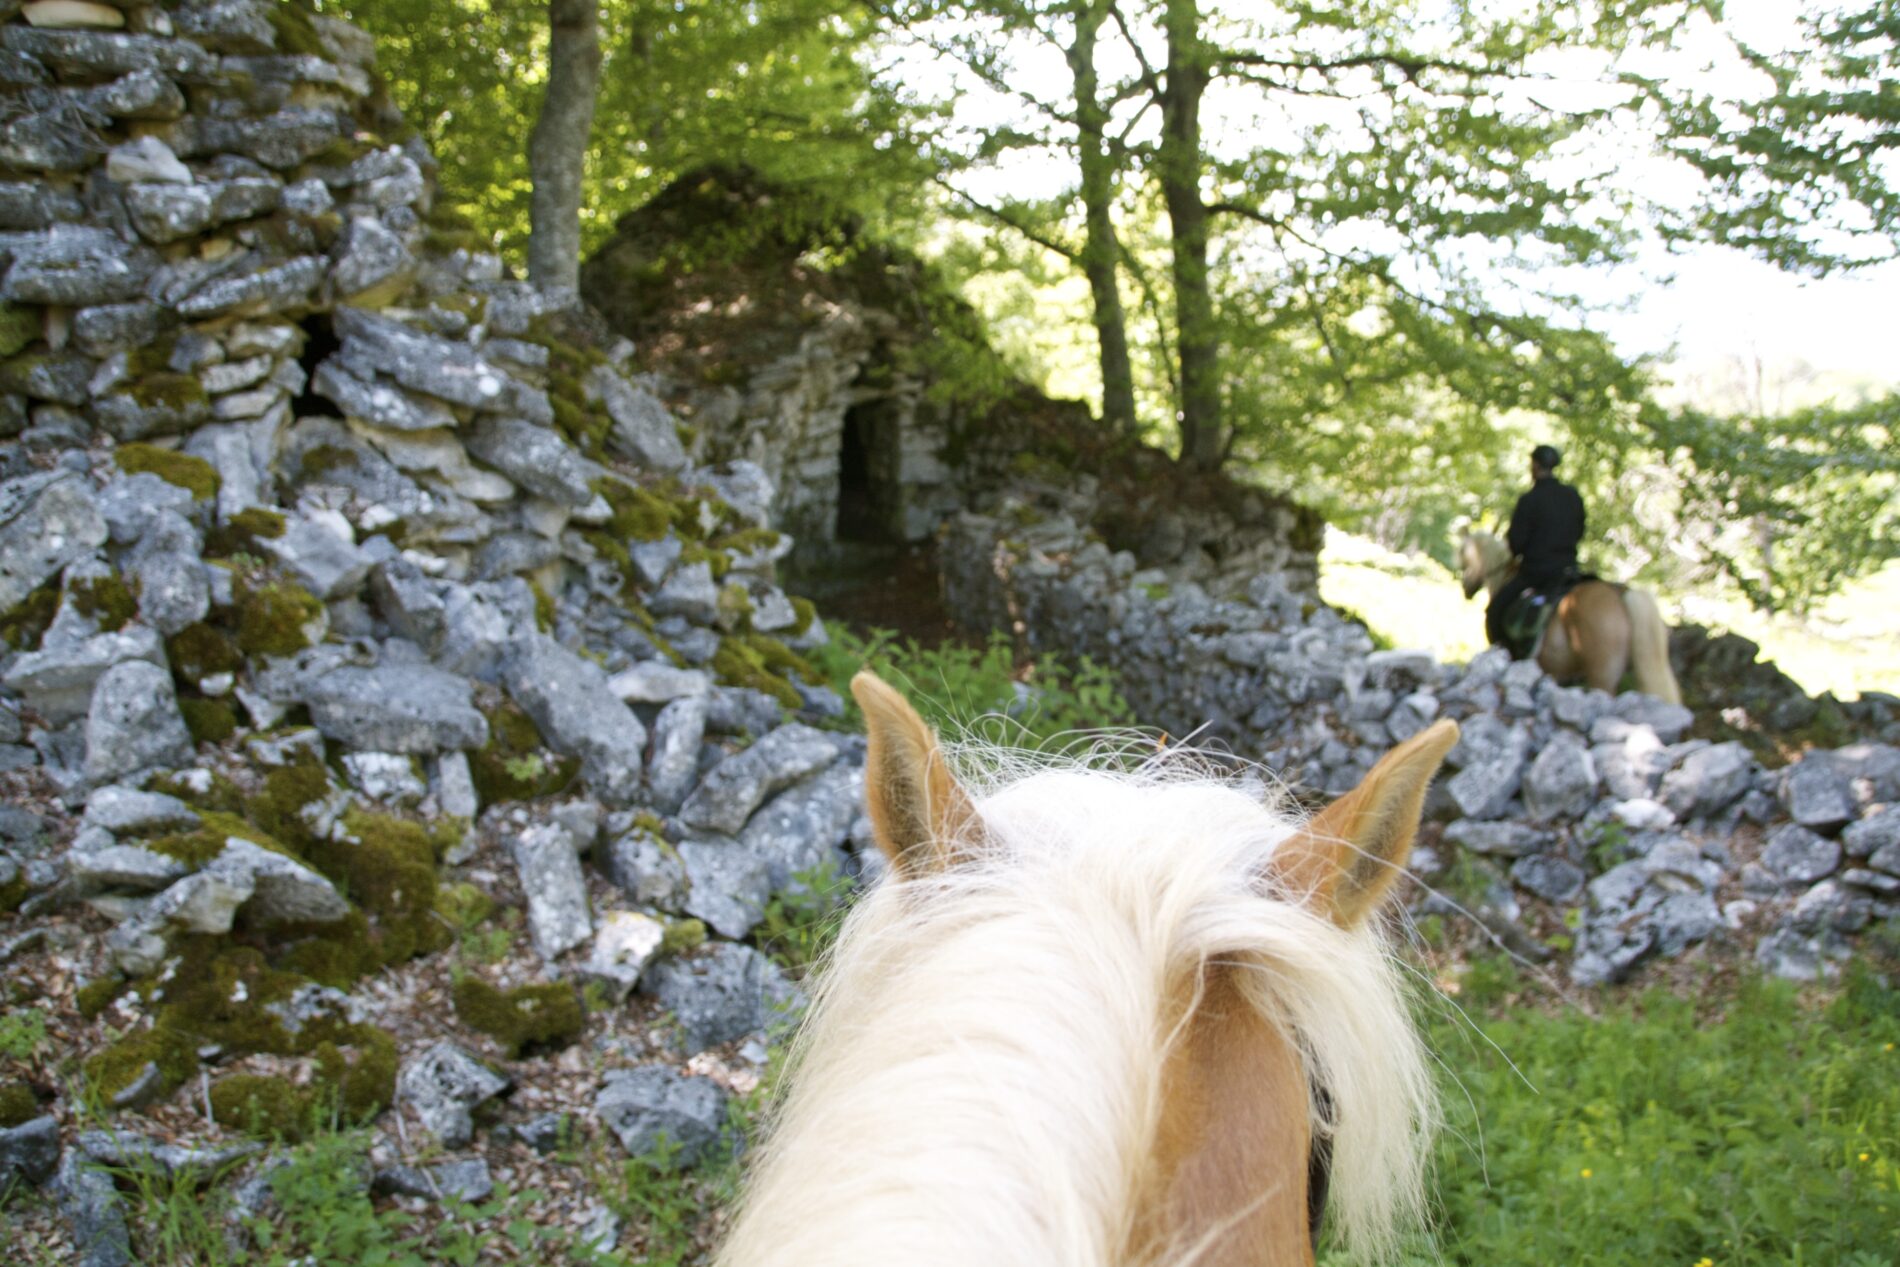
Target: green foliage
pixel 1039 704
pixel 18 1104
pixel 802 919
pixel 275 616
pixel 22 1033
pixel 668 1204
pixel 513 765
pixel 1767 1133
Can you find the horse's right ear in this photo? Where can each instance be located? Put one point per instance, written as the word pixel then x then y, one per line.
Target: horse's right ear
pixel 1345 859
pixel 920 815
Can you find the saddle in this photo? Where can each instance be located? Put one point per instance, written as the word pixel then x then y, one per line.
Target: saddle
pixel 1524 620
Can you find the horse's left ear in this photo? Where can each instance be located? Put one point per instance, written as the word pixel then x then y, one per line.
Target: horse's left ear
pixel 1352 852
pixel 920 815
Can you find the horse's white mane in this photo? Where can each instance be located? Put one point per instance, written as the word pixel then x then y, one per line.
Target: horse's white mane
pixel 978 1079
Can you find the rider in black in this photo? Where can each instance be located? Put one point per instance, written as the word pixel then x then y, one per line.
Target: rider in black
pixel 1545 529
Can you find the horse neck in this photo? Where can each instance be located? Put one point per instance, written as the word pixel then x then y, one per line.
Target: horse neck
pixel 989 1103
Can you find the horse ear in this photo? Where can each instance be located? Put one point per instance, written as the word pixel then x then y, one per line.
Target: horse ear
pixel 920 815
pixel 1352 851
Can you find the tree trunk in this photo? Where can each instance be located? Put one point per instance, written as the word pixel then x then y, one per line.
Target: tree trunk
pixel 557 148
pixel 1198 342
pixel 1101 254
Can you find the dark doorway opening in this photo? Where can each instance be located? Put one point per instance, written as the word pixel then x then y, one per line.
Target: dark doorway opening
pixel 864 511
pixel 319 343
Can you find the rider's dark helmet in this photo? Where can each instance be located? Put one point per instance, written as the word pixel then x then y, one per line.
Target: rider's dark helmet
pixel 1546 457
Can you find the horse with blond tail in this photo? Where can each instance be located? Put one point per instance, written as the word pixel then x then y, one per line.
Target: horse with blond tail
pixel 1100 1019
pixel 1598 631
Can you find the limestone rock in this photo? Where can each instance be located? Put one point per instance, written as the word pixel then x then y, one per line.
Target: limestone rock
pixel 625 943
pixel 575 709
pixel 727 884
pixel 536 458
pixel 1816 796
pixel 46 522
pixel 134 723
pixel 653 1104
pixel 1562 782
pixel 407 708
pixel 644 430
pixel 736 786
pixel 725 992
pixel 444 1085
pixel 546 856
pixel 1708 781
pixel 677 734
pixel 29 1152
pixel 1798 855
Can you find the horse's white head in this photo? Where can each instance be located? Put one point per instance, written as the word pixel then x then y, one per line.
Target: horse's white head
pixel 1100 1019
pixel 1480 556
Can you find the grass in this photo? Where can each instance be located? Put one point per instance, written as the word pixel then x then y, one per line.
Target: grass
pixel 1849 645
pixel 1757 1126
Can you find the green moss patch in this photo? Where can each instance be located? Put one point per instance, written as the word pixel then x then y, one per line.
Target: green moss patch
pixel 105 600
pixel 530 1017
pixel 513 765
pixel 762 663
pixel 19 328
pixel 274 617
pixel 349 1088
pixel 18 1104
pixel 94 997
pixel 195 475
pixel 199 651
pixel 208 720
pixel 27 622
pixel 241 533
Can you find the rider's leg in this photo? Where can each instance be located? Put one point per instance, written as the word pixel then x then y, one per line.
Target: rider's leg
pixel 1501 601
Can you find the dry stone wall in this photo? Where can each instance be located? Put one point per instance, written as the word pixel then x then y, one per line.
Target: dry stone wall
pixel 349 591
pixel 1557 799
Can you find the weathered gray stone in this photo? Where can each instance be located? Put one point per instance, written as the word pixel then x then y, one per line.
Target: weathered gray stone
pixel 1684 919
pixel 396 708
pixel 626 942
pixel 1831 905
pixel 1708 781
pixel 453 372
pixel 462 1180
pixel 739 784
pixel 661 1114
pixel 108 328
pixel 32 204
pixel 281 141
pixel 84 53
pixel 1669 721
pixel 62 378
pixel 548 861
pixel 727 885
pixel 647 869
pixel 802 830
pixel 1504 840
pixel 575 709
pixel 1798 855
pixel 174 591
pixel 378 401
pixel 320 560
pixel 1562 782
pixel 142 94
pixel 125 811
pixel 370 258
pixel 389 777
pixel 29 1152
pixel 536 458
pixel 75 266
pixel 90 1204
pixel 644 430
pixel 263 286
pixel 1485 786
pixel 657 682
pixel 134 723
pixel 123 867
pixel 689 592
pixel 1792 956
pixel 723 993
pixel 46 522
pixel 167 213
pixel 146 159
pixel 677 734
pixel 1552 878
pixel 444 1085
pixel 1815 794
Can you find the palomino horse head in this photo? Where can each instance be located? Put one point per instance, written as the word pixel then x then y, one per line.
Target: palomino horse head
pixel 1482 560
pixel 1095 1019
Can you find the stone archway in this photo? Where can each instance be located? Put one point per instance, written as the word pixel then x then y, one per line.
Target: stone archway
pixel 869 506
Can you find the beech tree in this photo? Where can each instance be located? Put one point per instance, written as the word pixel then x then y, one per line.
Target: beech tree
pixel 557 148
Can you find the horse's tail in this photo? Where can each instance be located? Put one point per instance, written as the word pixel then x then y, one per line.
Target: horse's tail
pixel 1649 647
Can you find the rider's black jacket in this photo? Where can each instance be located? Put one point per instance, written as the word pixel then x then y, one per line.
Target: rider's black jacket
pixel 1545 529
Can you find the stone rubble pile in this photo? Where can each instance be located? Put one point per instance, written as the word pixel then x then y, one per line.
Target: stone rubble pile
pixel 348 588
pixel 1560 796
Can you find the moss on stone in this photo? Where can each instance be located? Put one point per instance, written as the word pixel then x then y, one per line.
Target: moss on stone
pixel 288 791
pixel 12 893
pixel 19 327
pixel 638 515
pixel 513 765
pixel 294 30
pixel 241 533
pixel 177 392
pixel 207 841
pixel 463 905
pixel 195 475
pixel 387 866
pixel 28 620
pixel 735 605
pixel 543 607
pixel 208 720
pixel 762 663
pixel 114 1070
pixel 94 997
pixel 18 1104
pixel 270 1108
pixel 220 796
pixel 682 935
pixel 105 600
pixel 274 617
pixel 806 612
pixel 199 651
pixel 324 458
pixel 527 1017
pixel 718 562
